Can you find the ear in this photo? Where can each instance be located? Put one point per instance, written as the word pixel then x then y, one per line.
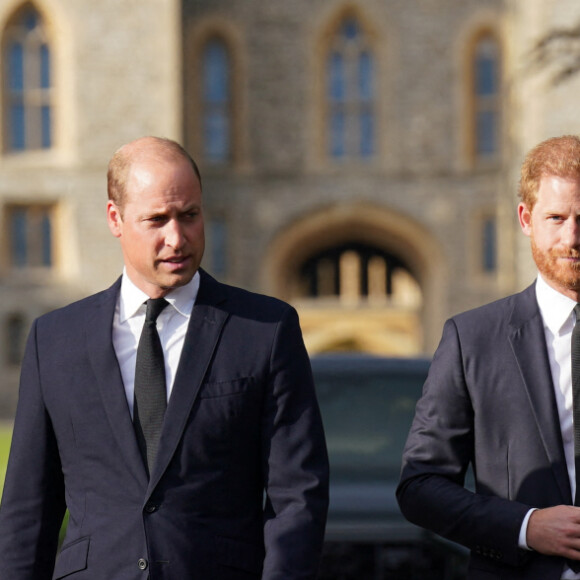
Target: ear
pixel 114 219
pixel 525 218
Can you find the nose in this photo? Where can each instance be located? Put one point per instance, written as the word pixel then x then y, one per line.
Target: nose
pixel 174 237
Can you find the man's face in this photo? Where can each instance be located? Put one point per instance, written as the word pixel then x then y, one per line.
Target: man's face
pixel 554 228
pixel 160 226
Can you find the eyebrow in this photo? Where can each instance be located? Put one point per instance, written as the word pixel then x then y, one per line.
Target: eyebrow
pixel 162 212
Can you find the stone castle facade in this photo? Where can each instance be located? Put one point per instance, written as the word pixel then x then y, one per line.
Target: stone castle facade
pixel 359 158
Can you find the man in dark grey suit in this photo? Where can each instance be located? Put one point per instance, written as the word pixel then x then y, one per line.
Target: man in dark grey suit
pixel 214 468
pixel 499 397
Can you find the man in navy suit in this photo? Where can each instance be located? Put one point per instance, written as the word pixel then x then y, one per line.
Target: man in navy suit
pixel 499 397
pixel 238 485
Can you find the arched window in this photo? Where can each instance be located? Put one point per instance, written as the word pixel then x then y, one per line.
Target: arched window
pixel 216 102
pixel 28 109
pixel 350 91
pixel 486 91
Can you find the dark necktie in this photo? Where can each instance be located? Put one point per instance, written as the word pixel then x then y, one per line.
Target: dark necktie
pixel 150 391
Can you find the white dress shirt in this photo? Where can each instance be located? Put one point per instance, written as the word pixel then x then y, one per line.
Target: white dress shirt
pixel 171 326
pixel 558 316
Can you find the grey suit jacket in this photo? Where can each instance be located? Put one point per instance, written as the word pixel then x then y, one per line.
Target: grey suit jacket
pixel 489 401
pixel 240 487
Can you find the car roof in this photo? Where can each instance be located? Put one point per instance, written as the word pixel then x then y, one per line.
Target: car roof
pixel 358 362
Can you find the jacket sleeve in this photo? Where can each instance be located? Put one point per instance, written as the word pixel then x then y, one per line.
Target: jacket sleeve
pixel 437 455
pixel 33 503
pixel 295 461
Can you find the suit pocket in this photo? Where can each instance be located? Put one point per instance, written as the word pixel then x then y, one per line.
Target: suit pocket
pixel 240 555
pixel 72 558
pixel 210 390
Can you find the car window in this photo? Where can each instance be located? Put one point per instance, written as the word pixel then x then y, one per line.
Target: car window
pixel 367 416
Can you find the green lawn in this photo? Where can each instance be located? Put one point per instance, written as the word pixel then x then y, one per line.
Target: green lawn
pixel 5 433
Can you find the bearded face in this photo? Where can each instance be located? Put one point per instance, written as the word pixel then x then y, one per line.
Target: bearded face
pixel 553 225
pixel 560 266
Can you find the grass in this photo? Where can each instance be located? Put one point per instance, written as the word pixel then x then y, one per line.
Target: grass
pixel 5 437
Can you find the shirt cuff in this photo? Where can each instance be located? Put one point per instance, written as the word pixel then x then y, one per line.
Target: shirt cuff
pixel 522 543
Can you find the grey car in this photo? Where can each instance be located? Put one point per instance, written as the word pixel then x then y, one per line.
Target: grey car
pixel 367 405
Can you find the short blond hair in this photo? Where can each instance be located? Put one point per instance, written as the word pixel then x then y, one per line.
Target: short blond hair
pixel 120 164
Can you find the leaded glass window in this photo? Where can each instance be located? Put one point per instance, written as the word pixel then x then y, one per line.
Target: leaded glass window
pixel 28 75
pixel 216 102
pixel 350 74
pixel 486 94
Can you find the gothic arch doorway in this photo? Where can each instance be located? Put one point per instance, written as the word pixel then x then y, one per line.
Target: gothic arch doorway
pixel 362 278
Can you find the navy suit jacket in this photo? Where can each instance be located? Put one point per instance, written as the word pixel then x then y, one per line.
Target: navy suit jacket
pixel 240 487
pixel 488 400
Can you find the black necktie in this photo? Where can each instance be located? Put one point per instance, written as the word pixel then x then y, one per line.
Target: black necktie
pixel 150 391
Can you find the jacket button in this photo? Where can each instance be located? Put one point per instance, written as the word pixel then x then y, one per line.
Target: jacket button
pixel 151 507
pixel 142 563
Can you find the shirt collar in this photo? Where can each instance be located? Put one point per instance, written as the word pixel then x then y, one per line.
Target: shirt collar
pixel 556 309
pixel 132 298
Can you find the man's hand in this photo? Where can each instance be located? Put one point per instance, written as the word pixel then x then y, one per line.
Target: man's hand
pixel 555 531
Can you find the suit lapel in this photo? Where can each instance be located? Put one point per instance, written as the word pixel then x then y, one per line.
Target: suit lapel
pixel 529 346
pixel 106 368
pixel 203 332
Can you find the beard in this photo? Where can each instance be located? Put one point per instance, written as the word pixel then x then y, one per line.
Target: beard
pixel 565 275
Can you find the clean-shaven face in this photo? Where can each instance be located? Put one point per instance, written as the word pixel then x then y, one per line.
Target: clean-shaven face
pixel 160 226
